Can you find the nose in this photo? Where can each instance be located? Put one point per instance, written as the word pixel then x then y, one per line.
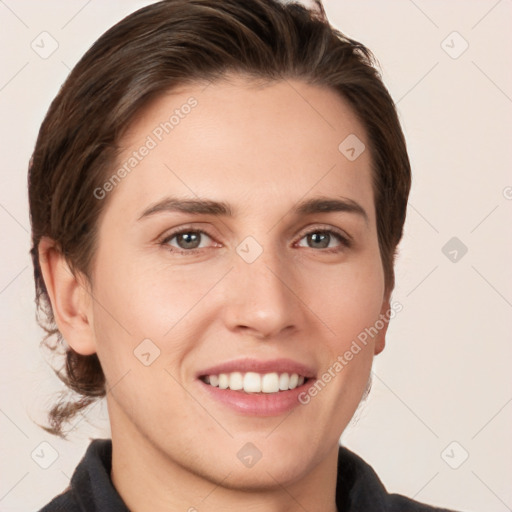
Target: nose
pixel 261 297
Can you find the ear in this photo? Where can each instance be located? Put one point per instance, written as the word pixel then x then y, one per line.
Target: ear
pixel 380 339
pixel 70 299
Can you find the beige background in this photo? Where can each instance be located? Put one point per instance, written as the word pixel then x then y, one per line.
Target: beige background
pixel 442 388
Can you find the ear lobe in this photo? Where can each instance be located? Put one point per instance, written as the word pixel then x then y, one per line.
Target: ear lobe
pixel 380 340
pixel 69 298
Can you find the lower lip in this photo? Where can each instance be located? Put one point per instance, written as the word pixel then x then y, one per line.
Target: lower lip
pixel 258 404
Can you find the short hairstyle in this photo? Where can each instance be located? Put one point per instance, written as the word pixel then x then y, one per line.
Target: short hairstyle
pixel 152 51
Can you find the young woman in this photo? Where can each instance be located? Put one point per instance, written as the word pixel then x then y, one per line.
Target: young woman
pixel 216 195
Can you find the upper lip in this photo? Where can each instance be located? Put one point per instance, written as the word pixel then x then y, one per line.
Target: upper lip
pixel 259 366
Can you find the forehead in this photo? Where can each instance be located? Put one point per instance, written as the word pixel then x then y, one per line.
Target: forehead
pixel 252 144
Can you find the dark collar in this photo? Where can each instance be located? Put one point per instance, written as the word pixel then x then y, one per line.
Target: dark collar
pixel 358 487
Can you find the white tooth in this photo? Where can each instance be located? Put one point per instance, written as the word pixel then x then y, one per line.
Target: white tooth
pixel 270 383
pixel 223 381
pixel 284 379
pixel 294 379
pixel 252 382
pixel 236 381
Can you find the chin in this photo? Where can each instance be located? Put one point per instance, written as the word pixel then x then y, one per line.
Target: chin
pixel 266 474
pixel 260 462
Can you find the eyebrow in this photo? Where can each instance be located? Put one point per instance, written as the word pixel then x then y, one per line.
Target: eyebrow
pixel 223 209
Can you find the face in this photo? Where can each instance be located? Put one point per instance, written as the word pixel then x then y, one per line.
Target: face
pixel 255 280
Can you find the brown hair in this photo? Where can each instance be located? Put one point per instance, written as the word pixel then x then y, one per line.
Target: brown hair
pixel 155 49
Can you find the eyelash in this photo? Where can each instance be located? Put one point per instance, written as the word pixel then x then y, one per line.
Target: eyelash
pixel 345 243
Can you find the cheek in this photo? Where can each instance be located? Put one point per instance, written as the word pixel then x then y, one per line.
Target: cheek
pixel 347 299
pixel 142 308
pixel 348 305
pixel 146 297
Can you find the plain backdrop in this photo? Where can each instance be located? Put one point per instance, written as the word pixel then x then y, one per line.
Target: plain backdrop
pixel 437 423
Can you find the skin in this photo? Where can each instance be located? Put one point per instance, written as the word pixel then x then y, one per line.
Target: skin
pixel 261 149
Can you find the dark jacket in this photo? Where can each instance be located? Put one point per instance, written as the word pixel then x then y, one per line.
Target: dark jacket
pixel 358 488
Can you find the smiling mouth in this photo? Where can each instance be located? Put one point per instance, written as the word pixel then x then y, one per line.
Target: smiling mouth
pixel 252 382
